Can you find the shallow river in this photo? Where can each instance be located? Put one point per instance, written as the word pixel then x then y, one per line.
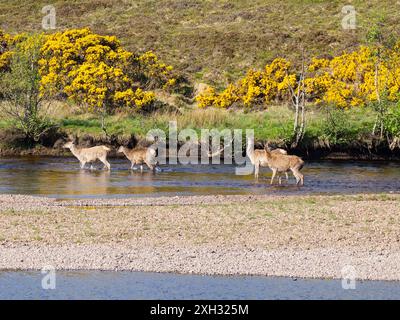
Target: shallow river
pixel 143 285
pixel 62 178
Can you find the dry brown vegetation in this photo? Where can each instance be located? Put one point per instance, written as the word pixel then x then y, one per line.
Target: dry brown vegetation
pixel 212 41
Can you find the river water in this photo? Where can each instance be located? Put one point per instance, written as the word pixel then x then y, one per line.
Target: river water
pixel 62 178
pixel 144 285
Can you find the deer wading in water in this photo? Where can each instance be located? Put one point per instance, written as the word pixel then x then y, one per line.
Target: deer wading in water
pixel 277 160
pixel 140 156
pixel 89 155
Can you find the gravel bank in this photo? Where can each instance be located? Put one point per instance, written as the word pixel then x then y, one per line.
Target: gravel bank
pixel 297 236
pixel 313 263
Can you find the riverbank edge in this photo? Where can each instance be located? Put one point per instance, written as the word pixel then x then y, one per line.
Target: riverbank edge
pixel 321 263
pixel 14 145
pixel 311 155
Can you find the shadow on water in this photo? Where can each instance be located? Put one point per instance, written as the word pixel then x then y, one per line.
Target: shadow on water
pixel 62 178
pixel 147 285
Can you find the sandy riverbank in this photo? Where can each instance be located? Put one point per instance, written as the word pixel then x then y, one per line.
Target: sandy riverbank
pixel 299 236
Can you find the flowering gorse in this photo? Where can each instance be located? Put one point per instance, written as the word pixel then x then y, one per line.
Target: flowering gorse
pixel 256 87
pixel 347 80
pixel 97 71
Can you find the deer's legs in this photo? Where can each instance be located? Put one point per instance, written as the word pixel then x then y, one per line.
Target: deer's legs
pixel 106 163
pixel 273 175
pixel 299 177
pixel 256 170
pixel 280 178
pixel 83 163
pixel 151 167
pixel 295 175
pixel 156 168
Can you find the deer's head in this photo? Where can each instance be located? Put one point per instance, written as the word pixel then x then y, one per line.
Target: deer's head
pixel 120 149
pixel 68 145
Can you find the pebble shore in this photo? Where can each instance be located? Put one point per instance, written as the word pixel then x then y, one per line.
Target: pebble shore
pixel 295 236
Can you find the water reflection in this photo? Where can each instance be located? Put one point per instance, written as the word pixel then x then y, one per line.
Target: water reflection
pixel 62 178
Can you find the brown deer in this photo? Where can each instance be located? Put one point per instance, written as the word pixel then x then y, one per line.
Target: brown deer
pixel 276 160
pixel 89 155
pixel 140 156
pixel 258 156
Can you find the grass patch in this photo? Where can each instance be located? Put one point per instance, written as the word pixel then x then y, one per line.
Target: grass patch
pixel 275 124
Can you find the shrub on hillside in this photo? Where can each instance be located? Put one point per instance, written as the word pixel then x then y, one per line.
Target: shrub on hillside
pixel 98 72
pixel 351 79
pixel 257 87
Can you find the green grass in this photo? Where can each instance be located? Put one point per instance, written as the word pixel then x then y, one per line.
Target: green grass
pixel 272 124
pixel 275 124
pixel 213 41
pixel 4 123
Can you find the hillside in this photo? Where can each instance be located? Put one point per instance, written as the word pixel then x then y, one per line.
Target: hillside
pixel 213 41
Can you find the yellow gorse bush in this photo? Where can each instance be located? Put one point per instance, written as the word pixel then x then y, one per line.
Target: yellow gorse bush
pixel 337 81
pixel 6 42
pixel 5 58
pixel 265 86
pixel 156 71
pixel 94 70
pixel 7 46
pixel 97 71
pixel 354 79
pixel 350 79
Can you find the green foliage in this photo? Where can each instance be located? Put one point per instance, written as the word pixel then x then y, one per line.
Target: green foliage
pixel 392 120
pixel 337 127
pixel 20 89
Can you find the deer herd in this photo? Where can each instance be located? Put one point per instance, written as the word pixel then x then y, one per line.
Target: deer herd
pixel 277 160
